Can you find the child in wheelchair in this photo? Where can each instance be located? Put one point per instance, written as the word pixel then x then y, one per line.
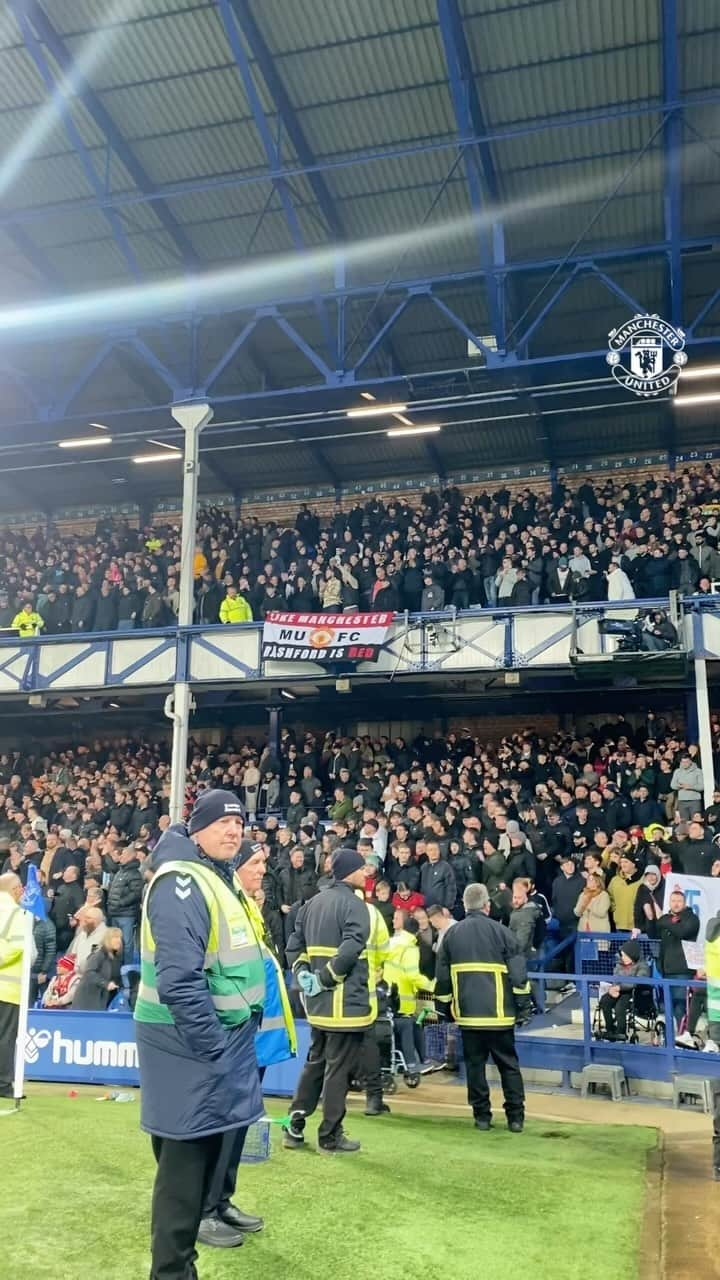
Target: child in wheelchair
pixel 619 1000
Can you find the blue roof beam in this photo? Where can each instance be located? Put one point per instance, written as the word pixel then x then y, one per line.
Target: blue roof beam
pixel 105 123
pixel 672 157
pixel 242 61
pixel 479 164
pixel 31 20
pixel 293 128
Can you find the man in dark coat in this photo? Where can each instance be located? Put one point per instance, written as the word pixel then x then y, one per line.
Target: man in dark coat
pixel 124 899
pixel 67 901
pixel 198 1008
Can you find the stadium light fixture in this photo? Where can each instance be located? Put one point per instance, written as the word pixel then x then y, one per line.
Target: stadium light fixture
pixel 375 410
pixel 701 371
pixel 84 442
pixel 428 430
pixel 706 397
pixel 167 455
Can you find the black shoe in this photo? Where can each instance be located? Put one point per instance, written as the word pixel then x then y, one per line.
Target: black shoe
pixel 483 1124
pixel 515 1126
pixel 219 1234
pixel 246 1222
pixel 341 1146
pixel 716 1174
pixel 376 1107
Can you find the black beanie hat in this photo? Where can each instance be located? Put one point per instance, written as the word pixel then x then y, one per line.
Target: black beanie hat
pixel 247 850
pixel 632 950
pixel 212 805
pixel 345 861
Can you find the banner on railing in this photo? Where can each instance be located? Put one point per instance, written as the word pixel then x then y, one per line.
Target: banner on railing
pixel 324 637
pixel 702 894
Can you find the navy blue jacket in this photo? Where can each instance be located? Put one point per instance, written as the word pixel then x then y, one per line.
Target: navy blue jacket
pixel 197 1077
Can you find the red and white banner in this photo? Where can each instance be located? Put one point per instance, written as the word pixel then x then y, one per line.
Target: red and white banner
pixel 324 637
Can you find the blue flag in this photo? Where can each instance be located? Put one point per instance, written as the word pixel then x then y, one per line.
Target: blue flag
pixel 32 899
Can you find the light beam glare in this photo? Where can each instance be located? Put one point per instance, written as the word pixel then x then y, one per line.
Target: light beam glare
pixel 252 284
pixel 92 52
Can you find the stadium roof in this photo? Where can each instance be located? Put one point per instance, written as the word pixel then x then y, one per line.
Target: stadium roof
pixel 551 155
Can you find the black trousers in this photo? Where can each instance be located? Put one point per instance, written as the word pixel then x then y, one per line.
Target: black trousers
pixel 9 1014
pixel 184 1173
pixel 334 1058
pixel 499 1045
pixel 614 1010
pixel 221 1187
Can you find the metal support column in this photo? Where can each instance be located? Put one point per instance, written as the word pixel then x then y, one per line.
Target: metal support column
pixel 192 418
pixel 704 735
pixel 274 727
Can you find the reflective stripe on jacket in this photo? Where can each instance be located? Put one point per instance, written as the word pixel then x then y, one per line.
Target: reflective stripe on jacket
pixel 712 968
pixel 234 961
pixel 402 970
pixel 11 949
pixel 276 1041
pixel 330 939
pixel 479 970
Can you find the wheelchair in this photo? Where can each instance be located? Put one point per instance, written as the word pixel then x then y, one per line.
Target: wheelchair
pixel 643 1016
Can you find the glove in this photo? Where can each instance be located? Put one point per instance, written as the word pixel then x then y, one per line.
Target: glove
pixel 309 983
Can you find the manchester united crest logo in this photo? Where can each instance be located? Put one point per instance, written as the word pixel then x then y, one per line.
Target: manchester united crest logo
pixel 647 355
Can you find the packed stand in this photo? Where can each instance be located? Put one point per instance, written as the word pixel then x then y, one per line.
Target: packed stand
pixel 598 541
pixel 569 834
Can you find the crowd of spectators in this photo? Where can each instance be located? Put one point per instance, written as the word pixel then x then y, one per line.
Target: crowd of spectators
pixel 614 539
pixel 566 831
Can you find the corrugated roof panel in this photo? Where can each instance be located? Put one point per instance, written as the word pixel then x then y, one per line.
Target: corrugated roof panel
pixel 700 57
pixel 179 43
pixel 89 15
pixel 408 116
pixel 397 62
pixel 547 146
pixel 304 22
pixel 698 15
pixel 179 103
pixel 521 35
pixel 226 149
pixel 570 86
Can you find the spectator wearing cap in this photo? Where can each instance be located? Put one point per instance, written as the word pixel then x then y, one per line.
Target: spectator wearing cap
pixel 560 582
pixel 623 890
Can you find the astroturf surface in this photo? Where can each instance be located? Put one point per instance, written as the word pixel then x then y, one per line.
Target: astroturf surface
pixel 427 1196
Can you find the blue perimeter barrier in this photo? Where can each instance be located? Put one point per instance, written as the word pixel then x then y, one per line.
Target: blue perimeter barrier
pixel 99 1048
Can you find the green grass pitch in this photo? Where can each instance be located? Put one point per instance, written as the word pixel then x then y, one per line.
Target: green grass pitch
pixel 427 1196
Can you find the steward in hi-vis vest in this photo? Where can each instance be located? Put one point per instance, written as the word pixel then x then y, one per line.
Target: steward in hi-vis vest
pixel 481 979
pixel 199 1006
pixel 12 936
pixel 329 955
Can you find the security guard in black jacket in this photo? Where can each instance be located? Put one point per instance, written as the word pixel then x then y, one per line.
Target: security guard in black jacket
pixel 328 953
pixel 481 977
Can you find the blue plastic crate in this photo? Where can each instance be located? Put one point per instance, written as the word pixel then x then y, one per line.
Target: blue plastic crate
pixel 257 1143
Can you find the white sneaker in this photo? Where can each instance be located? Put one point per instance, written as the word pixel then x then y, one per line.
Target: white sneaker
pixel 711 1046
pixel 686 1041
